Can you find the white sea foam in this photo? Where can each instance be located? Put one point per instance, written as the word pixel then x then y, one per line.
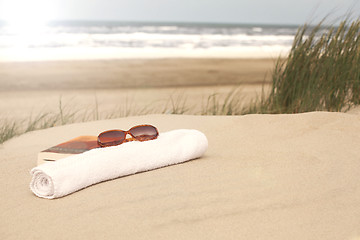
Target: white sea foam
pixel 115 40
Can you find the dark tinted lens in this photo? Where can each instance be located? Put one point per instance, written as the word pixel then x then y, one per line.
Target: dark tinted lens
pixel 111 138
pixel 144 133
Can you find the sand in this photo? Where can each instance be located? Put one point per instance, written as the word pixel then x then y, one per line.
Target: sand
pixel 30 88
pixel 132 73
pixel 290 176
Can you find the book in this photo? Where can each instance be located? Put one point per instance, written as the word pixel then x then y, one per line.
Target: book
pixel 73 146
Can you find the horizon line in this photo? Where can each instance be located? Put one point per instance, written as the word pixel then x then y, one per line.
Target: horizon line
pixel 2 21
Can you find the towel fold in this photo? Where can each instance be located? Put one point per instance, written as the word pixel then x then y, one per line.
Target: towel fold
pixel 67 175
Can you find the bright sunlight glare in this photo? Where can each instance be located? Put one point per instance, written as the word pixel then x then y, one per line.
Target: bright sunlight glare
pixel 26 15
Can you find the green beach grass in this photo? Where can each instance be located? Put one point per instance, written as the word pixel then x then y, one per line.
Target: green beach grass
pixel 321 72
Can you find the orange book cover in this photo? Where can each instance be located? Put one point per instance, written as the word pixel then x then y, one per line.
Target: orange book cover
pixel 74 146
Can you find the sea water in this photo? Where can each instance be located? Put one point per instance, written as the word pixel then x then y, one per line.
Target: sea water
pixel 68 40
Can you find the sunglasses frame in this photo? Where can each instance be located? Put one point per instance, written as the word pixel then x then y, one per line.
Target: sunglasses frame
pixel 133 138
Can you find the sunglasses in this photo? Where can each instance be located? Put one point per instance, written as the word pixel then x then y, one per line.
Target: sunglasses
pixel 116 137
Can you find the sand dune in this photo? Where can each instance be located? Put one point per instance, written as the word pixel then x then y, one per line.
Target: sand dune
pixel 290 176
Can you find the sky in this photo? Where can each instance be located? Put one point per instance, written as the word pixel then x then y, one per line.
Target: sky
pixel 214 11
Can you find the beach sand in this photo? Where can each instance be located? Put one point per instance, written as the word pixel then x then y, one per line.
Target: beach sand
pixel 132 73
pixel 292 176
pixel 30 88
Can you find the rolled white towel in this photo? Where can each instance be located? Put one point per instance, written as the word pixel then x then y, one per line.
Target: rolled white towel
pixel 67 175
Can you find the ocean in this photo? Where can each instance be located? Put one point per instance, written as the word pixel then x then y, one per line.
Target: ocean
pixel 68 40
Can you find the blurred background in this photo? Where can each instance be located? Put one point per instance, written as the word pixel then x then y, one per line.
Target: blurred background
pixel 60 30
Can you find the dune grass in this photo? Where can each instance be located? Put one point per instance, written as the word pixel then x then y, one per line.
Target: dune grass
pixel 321 72
pixel 230 104
pixel 11 128
pixel 215 104
pixel 8 129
